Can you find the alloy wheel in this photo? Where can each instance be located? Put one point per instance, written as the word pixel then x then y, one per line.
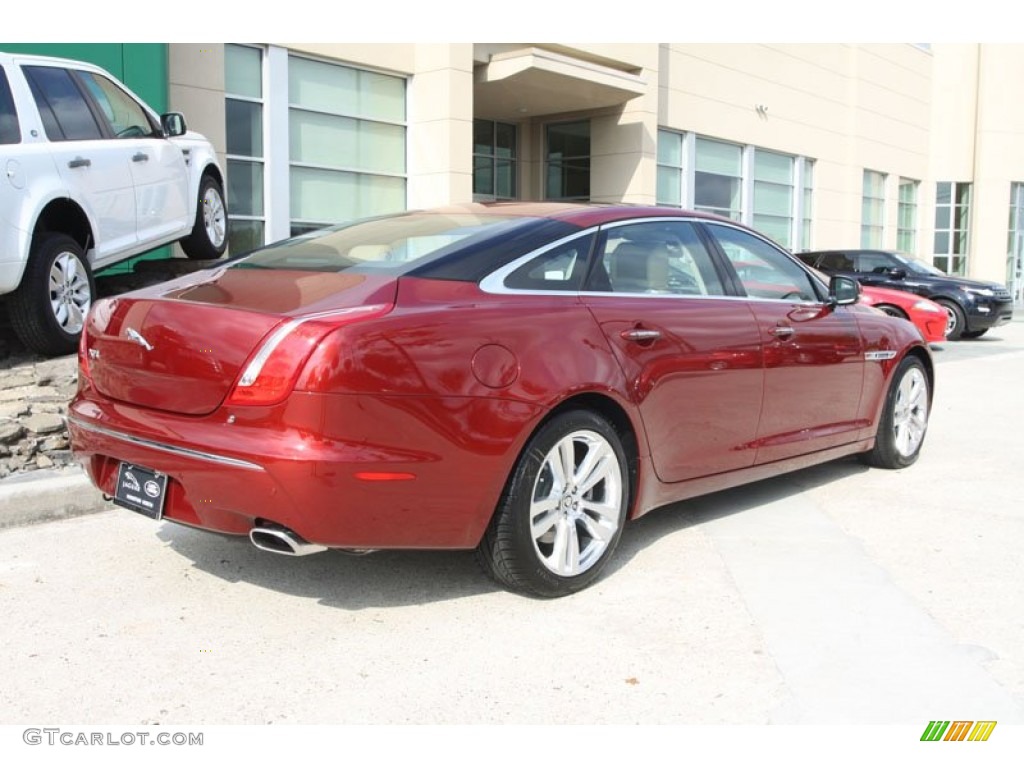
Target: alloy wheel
pixel 70 294
pixel 576 503
pixel 910 412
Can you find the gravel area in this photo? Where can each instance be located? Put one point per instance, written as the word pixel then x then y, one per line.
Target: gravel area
pixel 35 391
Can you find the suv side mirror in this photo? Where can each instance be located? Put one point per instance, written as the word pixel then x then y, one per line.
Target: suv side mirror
pixel 843 290
pixel 898 273
pixel 173 124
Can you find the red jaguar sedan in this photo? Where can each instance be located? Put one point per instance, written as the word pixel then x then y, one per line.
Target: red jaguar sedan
pixel 518 379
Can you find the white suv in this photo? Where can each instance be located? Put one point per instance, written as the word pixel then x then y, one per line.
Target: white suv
pixel 93 176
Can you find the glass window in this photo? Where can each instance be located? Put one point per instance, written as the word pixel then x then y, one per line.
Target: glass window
pixel 65 112
pixel 390 243
pixel 559 269
pixel 1015 243
pixel 718 178
pixel 243 107
pixel 808 198
pixel 494 160
pixel 872 210
pixel 125 116
pixel 906 232
pixel 346 143
pixel 655 258
pixel 670 168
pixel 876 262
pixel 10 131
pixel 568 161
pixel 952 226
pixel 773 196
pixel 764 271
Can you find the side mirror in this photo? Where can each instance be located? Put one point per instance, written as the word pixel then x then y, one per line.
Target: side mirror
pixel 173 124
pixel 843 290
pixel 898 273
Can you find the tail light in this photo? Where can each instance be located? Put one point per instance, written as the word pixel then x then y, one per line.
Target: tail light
pixel 84 375
pixel 270 374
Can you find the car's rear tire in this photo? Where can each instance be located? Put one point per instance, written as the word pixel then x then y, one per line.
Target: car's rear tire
pixel 904 420
pixel 48 309
pixel 563 509
pixel 974 334
pixel 955 322
pixel 209 236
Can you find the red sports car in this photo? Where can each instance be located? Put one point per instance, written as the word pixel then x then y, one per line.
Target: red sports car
pixel 929 317
pixel 515 378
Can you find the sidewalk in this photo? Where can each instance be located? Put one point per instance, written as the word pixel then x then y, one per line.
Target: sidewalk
pixel 47 494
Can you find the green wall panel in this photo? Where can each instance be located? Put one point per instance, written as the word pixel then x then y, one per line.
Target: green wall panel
pixel 140 66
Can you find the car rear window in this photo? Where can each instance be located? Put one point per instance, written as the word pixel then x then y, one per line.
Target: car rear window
pixel 10 131
pixel 394 244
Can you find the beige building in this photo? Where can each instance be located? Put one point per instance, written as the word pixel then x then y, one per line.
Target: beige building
pixel 897 146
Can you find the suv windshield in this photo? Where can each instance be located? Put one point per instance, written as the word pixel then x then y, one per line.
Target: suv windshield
pixel 390 244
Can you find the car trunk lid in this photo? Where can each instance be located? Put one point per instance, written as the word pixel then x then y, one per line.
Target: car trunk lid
pixel 181 346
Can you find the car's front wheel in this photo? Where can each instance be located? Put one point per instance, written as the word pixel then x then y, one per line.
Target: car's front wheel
pixel 209 235
pixel 904 420
pixel 955 322
pixel 563 509
pixel 49 307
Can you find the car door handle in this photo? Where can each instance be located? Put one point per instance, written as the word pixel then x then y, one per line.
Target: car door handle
pixel 640 334
pixel 79 162
pixel 140 157
pixel 781 331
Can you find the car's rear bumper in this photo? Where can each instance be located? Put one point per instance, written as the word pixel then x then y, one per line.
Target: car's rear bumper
pixel 339 471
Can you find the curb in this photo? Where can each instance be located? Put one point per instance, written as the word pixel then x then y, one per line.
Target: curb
pixel 46 495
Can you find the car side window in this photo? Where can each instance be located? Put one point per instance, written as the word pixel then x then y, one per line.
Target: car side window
pixel 126 118
pixel 558 269
pixel 65 112
pixel 764 271
pixel 835 262
pixel 875 262
pixel 10 131
pixel 659 257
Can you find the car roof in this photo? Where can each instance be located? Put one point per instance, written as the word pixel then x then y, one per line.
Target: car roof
pixel 578 214
pixel 32 58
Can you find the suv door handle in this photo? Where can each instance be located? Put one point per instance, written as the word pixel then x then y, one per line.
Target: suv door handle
pixel 640 334
pixel 79 162
pixel 140 157
pixel 781 331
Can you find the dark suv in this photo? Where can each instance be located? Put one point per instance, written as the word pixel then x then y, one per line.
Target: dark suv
pixel 972 306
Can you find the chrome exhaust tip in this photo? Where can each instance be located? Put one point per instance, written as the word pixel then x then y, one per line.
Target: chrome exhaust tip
pixel 281 541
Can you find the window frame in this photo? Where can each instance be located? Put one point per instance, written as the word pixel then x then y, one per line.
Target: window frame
pixel 494 158
pixel 872 233
pixel 564 161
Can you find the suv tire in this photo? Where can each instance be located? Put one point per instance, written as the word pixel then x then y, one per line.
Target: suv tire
pixel 209 236
pixel 49 307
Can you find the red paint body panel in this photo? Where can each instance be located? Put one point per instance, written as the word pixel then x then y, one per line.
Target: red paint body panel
pixel 926 315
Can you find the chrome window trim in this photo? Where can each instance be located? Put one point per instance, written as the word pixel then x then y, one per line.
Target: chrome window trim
pixel 172 449
pixel 494 283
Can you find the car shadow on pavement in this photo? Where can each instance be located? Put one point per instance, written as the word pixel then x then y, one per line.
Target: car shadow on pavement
pixel 681 515
pixel 398 578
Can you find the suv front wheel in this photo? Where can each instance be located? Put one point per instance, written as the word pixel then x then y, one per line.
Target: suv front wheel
pixel 48 310
pixel 210 232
